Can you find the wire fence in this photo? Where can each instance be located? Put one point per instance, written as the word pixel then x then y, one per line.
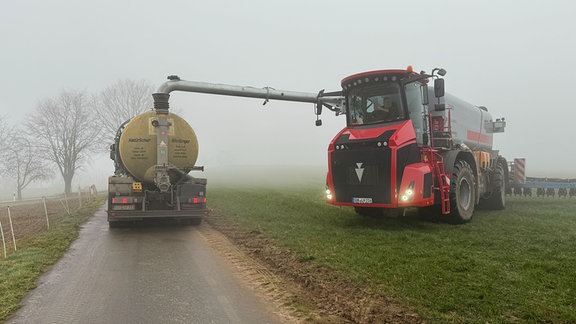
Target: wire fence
pixel 23 219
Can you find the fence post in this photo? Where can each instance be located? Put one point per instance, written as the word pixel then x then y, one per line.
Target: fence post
pixel 66 203
pixel 46 212
pixel 3 241
pixel 12 228
pixel 79 197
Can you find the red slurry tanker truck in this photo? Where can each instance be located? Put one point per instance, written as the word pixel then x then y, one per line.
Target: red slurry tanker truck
pixel 405 143
pixel 434 152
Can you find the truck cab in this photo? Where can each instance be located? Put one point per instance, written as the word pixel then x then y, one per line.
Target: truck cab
pixel 367 95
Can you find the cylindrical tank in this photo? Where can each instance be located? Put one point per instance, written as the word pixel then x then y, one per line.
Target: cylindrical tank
pixel 137 147
pixel 471 125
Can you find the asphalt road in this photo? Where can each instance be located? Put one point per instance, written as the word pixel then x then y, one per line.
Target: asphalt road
pixel 152 274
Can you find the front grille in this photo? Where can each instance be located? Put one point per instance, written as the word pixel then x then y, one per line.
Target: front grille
pixel 362 174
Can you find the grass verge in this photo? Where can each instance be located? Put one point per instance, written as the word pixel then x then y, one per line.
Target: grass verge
pixel 20 270
pixel 515 265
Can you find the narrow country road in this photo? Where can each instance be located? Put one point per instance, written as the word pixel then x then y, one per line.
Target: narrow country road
pixel 154 274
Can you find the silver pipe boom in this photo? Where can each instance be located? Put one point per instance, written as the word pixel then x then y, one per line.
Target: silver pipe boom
pixel 266 93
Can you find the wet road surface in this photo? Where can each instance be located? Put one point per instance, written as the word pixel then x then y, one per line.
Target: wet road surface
pixel 149 274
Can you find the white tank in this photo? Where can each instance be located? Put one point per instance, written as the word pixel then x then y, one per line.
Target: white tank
pixel 471 125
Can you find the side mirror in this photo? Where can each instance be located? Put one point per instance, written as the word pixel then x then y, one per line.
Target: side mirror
pixel 439 88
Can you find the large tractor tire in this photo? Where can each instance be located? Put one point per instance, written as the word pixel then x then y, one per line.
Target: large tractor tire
pixel 462 193
pixel 497 198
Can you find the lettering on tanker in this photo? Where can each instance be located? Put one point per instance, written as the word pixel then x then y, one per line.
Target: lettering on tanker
pixel 179 148
pixel 139 153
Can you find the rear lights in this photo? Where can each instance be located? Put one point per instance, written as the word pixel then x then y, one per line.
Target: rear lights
pixel 123 200
pixel 197 200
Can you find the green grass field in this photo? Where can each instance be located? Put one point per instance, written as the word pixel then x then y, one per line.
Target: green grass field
pixel 516 265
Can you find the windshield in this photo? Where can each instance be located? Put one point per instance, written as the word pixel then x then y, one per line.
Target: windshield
pixel 379 103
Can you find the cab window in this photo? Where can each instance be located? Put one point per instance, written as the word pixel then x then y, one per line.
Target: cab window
pixel 376 103
pixel 415 108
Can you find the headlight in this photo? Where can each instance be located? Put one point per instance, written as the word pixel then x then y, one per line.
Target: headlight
pixel 328 194
pixel 409 193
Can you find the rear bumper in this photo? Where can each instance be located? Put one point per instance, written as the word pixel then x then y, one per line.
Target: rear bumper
pixel 119 216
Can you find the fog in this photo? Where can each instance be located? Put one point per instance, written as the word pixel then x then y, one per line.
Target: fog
pixel 513 57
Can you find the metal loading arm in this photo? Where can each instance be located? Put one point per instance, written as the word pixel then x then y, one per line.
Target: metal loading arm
pixel 331 100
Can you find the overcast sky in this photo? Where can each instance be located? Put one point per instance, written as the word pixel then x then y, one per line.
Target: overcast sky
pixel 514 57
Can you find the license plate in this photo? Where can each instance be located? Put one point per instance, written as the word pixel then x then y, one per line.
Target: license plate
pixel 124 207
pixel 362 200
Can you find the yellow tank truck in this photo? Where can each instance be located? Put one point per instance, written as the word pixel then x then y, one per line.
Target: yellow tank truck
pixel 153 154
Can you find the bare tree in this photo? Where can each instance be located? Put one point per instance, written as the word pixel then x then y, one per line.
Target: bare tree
pixel 64 132
pixel 118 103
pixel 4 135
pixel 4 132
pixel 23 163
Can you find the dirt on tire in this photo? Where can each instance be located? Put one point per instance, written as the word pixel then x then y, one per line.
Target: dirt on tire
pixel 328 296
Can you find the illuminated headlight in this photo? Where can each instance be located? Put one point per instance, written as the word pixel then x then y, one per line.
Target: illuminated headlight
pixel 409 193
pixel 328 194
pixel 382 144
